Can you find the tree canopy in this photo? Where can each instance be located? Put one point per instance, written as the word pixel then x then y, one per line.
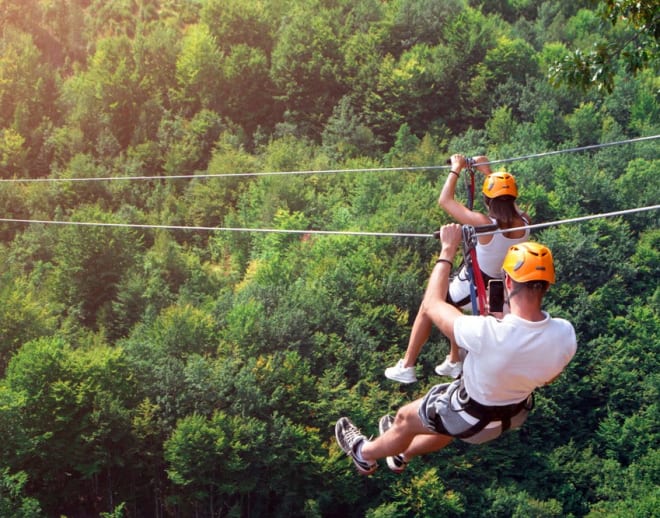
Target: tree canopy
pixel 177 338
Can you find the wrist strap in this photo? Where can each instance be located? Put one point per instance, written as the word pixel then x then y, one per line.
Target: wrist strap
pixel 454 172
pixel 441 260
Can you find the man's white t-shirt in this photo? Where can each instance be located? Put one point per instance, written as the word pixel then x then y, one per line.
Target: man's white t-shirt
pixel 511 357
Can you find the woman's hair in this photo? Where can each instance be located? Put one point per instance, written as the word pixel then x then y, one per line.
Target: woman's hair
pixel 503 209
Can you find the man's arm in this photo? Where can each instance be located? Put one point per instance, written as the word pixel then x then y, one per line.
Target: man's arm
pixel 439 310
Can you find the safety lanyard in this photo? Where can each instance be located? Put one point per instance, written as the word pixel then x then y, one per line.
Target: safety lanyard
pixel 477 287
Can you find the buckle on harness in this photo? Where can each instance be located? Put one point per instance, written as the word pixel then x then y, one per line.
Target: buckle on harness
pixel 462 396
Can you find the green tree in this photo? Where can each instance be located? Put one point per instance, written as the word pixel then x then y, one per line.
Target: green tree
pixel 639 187
pixel 65 420
pixel 27 105
pixel 501 126
pixel 427 496
pixel 245 34
pixel 345 135
pixel 23 316
pixel 630 44
pixel 155 54
pixel 584 124
pixel 508 502
pixel 417 89
pixel 306 64
pixel 187 144
pixel 411 23
pixel 198 68
pixel 90 262
pixel 12 154
pixel 13 501
pixel 236 22
pixel 503 74
pixel 104 101
pixel 212 459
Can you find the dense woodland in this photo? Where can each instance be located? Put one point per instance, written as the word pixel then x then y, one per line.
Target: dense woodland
pixel 173 372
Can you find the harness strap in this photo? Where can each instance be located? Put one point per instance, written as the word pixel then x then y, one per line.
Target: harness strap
pixel 486 414
pixel 477 286
pixel 479 282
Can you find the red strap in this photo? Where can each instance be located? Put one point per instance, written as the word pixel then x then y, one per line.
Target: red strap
pixel 479 282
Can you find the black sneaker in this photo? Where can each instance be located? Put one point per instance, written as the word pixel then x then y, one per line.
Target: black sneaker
pixel 349 438
pixel 397 462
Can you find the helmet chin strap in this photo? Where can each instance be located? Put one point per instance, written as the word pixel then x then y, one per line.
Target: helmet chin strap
pixel 509 294
pixel 512 293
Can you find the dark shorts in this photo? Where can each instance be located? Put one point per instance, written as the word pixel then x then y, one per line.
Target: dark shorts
pixel 442 412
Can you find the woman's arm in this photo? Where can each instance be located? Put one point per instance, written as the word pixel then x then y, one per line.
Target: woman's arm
pixel 450 205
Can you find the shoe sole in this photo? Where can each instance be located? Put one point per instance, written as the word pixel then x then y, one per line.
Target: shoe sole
pixel 381 424
pixel 363 471
pixel 393 467
pixel 448 374
pixel 400 380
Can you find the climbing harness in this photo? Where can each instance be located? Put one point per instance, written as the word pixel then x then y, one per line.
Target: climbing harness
pixel 486 414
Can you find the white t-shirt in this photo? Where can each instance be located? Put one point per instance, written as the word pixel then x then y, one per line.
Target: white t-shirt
pixel 509 358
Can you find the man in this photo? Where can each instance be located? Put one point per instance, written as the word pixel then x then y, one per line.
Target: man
pixel 507 359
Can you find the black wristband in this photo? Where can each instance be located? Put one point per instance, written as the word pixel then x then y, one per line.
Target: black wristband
pixel 441 260
pixel 454 172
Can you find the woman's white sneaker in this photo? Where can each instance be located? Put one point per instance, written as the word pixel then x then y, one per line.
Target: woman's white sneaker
pixel 401 374
pixel 448 368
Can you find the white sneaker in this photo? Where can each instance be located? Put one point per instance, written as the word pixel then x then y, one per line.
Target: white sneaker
pixel 448 368
pixel 401 374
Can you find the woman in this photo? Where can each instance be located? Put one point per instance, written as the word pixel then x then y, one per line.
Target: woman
pixel 500 193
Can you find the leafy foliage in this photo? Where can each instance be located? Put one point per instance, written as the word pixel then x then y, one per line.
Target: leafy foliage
pixel 635 46
pixel 190 372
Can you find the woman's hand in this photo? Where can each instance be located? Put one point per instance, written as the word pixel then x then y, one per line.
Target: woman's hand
pixel 458 163
pixel 482 159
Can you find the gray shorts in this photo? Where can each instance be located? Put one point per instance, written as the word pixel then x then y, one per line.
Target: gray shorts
pixel 441 412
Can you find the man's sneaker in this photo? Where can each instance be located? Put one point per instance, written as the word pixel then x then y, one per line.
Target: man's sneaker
pixel 349 437
pixel 448 368
pixel 396 463
pixel 401 374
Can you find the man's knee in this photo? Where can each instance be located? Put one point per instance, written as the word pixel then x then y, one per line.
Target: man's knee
pixel 406 415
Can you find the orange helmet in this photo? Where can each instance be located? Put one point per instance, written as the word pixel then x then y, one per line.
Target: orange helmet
pixel 529 261
pixel 500 184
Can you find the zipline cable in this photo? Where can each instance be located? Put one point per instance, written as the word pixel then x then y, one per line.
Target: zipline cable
pixel 321 171
pixel 570 150
pixel 572 220
pixel 212 229
pixel 321 232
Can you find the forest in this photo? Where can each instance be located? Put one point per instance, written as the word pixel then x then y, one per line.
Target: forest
pixel 215 233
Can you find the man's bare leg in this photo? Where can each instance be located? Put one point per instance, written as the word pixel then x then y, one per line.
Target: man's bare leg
pixel 407 434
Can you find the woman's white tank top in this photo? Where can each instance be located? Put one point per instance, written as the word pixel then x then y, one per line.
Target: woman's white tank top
pixel 491 255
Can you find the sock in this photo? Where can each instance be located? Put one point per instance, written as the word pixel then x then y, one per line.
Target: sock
pixel 358 451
